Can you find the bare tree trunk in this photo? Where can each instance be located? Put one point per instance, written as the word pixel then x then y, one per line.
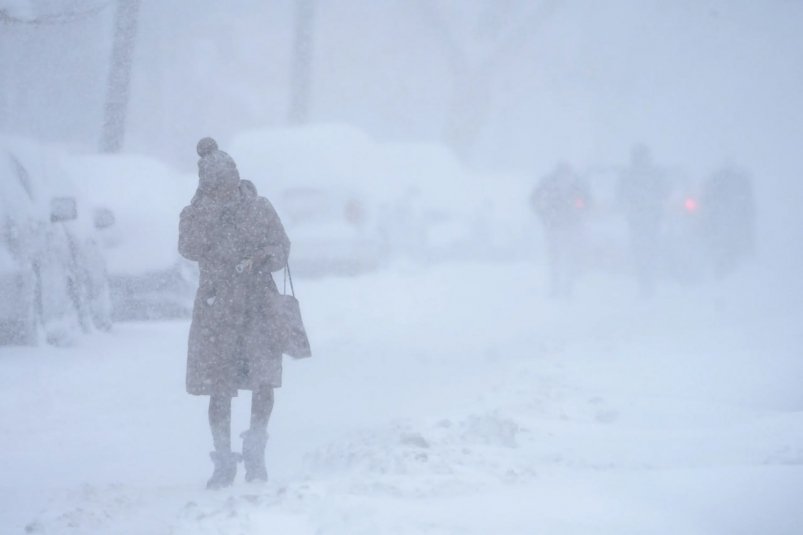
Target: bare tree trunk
pixel 5 85
pixel 473 78
pixel 301 74
pixel 469 110
pixel 118 89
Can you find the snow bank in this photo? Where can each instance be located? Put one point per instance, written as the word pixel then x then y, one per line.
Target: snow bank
pixel 453 411
pixel 431 405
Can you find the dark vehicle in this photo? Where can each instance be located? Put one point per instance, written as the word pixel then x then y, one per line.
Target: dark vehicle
pixel 678 252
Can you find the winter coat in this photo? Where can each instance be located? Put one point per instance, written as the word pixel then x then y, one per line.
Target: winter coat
pixel 560 200
pixel 232 341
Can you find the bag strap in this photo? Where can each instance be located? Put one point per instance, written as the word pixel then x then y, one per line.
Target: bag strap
pixel 288 276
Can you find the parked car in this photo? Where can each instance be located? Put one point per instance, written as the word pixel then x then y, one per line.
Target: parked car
pixel 329 230
pixel 606 245
pixel 351 203
pixel 685 258
pixel 680 254
pixel 136 201
pixel 316 177
pixel 52 271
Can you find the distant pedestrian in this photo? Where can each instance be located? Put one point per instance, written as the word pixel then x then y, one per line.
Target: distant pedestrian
pixel 561 201
pixel 238 240
pixel 643 194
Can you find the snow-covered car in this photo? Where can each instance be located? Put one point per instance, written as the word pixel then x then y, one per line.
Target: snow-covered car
pixel 351 203
pixel 316 183
pixel 52 271
pixel 437 209
pixel 329 231
pixel 148 278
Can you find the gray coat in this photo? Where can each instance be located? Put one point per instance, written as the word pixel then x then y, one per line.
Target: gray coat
pixel 232 343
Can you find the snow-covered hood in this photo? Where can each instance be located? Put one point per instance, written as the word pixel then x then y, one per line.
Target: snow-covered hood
pixel 145 197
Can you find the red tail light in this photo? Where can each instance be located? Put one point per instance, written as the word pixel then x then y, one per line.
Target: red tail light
pixel 690 204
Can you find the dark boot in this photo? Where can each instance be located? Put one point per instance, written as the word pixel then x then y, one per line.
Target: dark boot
pixel 254 455
pixel 225 469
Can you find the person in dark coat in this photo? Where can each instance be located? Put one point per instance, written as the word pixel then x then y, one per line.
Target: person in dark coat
pixel 561 200
pixel 643 193
pixel 238 240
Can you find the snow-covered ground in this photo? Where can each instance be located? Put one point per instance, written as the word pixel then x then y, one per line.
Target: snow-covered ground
pixel 453 399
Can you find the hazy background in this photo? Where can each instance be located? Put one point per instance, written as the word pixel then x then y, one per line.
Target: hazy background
pixel 634 404
pixel 510 85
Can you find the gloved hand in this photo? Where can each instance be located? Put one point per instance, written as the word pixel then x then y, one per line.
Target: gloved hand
pixel 245 266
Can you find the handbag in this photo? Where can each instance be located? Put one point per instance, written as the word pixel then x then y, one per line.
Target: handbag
pixel 292 335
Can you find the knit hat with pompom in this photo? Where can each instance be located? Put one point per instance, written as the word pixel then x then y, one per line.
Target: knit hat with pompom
pixel 216 169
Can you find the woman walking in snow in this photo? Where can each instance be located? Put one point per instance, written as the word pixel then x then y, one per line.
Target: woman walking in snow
pixel 238 240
